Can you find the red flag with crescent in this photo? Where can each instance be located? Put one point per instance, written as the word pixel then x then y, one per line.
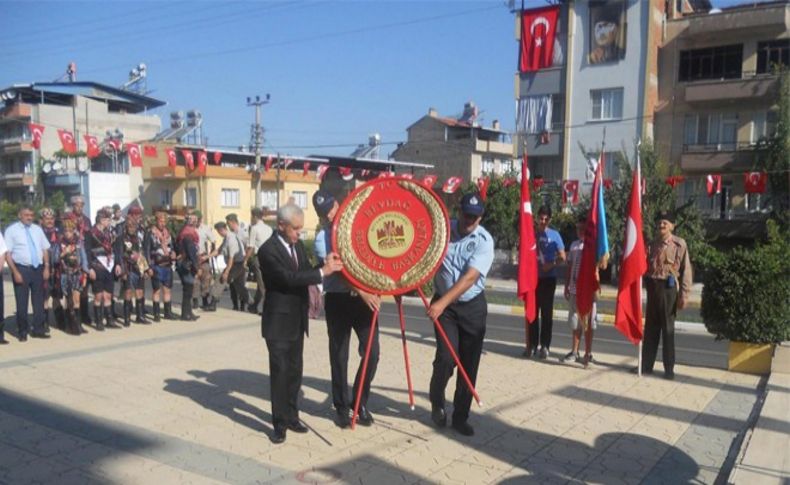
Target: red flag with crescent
pixel 305 169
pixel 385 174
pixel 321 170
pixel 217 158
pixel 150 151
pixel 133 150
pixel 36 132
pixel 429 180
pixel 171 157
pixel 628 314
pixel 527 250
pixel 451 185
pixel 754 182
pixel 538 29
pixel 346 173
pixel 92 145
pixel 570 192
pixel 482 187
pixel 67 141
pixel 537 183
pixel 268 164
pixel 115 144
pixel 713 182
pixel 202 160
pixel 189 160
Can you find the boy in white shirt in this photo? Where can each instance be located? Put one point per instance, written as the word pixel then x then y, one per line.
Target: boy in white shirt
pixel 574 262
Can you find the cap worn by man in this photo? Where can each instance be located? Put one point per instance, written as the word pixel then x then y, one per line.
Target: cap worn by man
pixel 323 202
pixel 135 210
pixel 472 204
pixel 665 216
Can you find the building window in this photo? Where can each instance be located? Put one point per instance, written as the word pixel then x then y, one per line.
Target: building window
pixel 488 165
pixel 230 198
pixel 505 166
pixel 725 62
pixel 607 104
pixel 190 197
pixel 165 197
pixel 772 53
pixel 269 199
pixel 557 113
pixel 717 131
pixel 300 198
pixel 764 125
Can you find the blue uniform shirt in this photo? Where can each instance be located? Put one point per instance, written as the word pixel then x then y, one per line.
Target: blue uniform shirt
pixel 336 282
pixel 475 250
pixel 16 238
pixel 549 245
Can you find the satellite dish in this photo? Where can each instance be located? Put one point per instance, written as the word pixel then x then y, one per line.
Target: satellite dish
pixel 47 167
pixel 57 166
pixel 82 165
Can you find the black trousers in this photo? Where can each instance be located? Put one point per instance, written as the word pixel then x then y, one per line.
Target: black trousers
pixel 465 326
pixel 31 288
pixel 659 324
pixel 544 296
pixel 285 379
pixel 344 313
pixel 237 278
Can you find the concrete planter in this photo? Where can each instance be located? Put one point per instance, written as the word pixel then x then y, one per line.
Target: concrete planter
pixel 750 358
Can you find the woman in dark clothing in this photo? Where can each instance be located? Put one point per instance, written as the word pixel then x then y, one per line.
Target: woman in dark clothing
pixel 188 265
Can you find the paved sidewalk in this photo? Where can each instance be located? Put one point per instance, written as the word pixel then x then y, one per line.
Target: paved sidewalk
pixel 189 403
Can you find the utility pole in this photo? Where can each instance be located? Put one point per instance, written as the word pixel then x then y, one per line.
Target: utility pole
pixel 257 142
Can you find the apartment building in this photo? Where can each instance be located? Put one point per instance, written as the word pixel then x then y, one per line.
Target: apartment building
pixel 718 98
pixel 82 108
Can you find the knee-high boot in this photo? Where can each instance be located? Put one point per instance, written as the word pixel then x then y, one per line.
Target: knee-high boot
pixel 127 313
pixel 139 310
pixel 169 311
pixel 156 311
pixel 108 320
pixel 97 317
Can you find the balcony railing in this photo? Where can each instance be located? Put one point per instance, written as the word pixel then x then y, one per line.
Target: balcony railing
pixel 721 147
pixel 749 86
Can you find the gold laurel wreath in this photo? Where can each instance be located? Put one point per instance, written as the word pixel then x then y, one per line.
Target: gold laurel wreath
pixel 433 253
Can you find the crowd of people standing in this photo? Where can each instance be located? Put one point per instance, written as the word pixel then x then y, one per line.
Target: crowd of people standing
pixel 58 260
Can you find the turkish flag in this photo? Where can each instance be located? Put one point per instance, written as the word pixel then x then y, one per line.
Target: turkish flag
pixel 512 181
pixel 217 158
pixel 92 144
pixel 595 252
pixel 527 250
pixel 713 182
pixel 189 160
pixel 135 160
pixel 537 183
pixel 385 174
pixel 171 157
pixel 451 185
pixel 36 132
pixel 115 144
pixel 202 161
pixel 754 182
pixel 287 163
pixel 321 170
pixel 268 164
pixel 628 315
pixel 305 169
pixel 346 173
pixel 482 187
pixel 570 192
pixel 429 180
pixel 538 28
pixel 674 180
pixel 150 151
pixel 68 141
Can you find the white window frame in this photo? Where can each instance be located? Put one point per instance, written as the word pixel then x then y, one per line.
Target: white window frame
pixel 269 199
pixel 227 196
pixel 609 106
pixel 165 197
pixel 300 198
pixel 187 202
pixel 487 166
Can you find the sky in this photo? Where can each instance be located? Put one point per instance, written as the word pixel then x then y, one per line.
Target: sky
pixel 336 71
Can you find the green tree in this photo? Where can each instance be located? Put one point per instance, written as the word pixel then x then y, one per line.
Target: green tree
pixel 777 158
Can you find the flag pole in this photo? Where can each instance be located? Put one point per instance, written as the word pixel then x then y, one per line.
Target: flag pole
pixel 642 323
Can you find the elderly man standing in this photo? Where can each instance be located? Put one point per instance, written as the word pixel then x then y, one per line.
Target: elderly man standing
pixel 260 232
pixel 28 259
pixel 668 283
pixel 285 323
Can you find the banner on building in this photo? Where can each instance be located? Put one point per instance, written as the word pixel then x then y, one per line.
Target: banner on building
pixel 92 146
pixel 133 150
pixel 67 141
pixel 36 132
pixel 607 31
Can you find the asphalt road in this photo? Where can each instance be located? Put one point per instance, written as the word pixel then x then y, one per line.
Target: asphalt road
pixel 505 335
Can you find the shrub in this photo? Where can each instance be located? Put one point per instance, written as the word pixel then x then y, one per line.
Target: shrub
pixel 746 296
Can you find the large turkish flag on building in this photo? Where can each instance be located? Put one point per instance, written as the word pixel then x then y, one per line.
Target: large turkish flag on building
pixel 36 132
pixel 538 28
pixel 92 143
pixel 133 149
pixel 754 182
pixel 67 140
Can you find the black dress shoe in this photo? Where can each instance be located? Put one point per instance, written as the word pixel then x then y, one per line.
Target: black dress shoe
pixel 438 416
pixel 464 428
pixel 343 420
pixel 298 427
pixel 364 418
pixel 39 335
pixel 669 375
pixel 3 341
pixel 278 436
pixel 23 338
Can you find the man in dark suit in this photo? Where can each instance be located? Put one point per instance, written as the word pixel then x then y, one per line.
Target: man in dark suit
pixel 287 274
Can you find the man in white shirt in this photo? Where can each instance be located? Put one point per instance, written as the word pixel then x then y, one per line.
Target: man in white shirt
pixel 259 233
pixel 3 251
pixel 235 273
pixel 29 262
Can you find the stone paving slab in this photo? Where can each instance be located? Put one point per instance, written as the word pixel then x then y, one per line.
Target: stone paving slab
pixel 189 403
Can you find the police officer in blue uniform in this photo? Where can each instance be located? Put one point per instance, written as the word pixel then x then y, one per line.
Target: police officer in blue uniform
pixel 347 308
pixel 459 303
